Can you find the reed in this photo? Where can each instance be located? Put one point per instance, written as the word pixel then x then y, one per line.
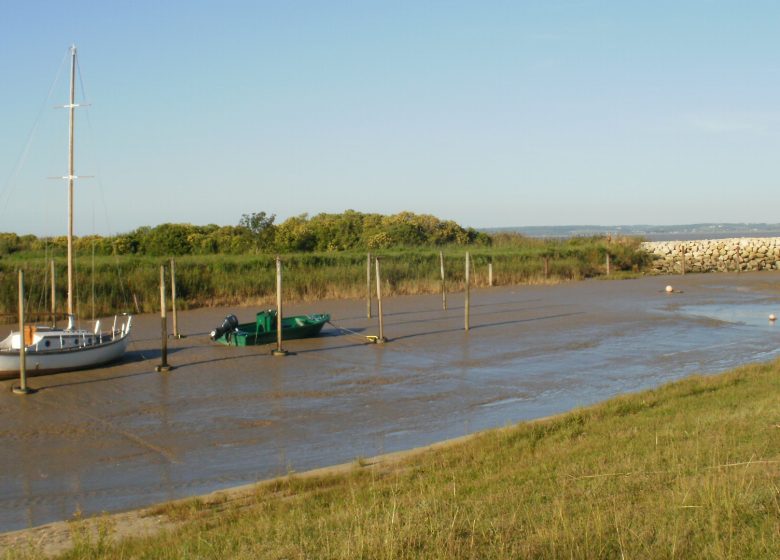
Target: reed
pixel 211 280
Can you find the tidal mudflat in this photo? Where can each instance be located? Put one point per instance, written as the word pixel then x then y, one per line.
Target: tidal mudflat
pixel 126 436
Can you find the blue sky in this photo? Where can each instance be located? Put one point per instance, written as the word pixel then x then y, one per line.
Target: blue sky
pixel 489 113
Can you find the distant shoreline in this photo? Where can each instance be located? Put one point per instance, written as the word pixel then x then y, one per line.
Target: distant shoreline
pixel 681 232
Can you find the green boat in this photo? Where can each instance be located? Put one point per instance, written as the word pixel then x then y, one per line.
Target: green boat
pixel 263 330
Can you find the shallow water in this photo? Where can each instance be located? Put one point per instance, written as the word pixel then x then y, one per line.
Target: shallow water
pixel 126 436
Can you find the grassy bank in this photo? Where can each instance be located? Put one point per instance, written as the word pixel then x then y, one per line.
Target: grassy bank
pixel 131 283
pixel 690 470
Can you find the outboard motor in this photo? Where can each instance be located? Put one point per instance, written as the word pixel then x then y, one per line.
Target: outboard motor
pixel 228 325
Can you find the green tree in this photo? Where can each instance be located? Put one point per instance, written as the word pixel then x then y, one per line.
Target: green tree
pixel 262 228
pixel 295 234
pixel 9 243
pixel 337 232
pixel 168 239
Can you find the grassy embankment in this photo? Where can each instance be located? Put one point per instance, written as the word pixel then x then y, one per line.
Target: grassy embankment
pixel 689 470
pixel 131 283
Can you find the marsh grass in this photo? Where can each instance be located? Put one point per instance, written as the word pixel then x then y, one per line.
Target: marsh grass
pixel 131 283
pixel 91 538
pixel 689 470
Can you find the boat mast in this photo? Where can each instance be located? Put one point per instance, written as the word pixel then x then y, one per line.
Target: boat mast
pixel 71 174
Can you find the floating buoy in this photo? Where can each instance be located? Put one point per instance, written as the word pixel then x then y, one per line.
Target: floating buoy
pixel 669 289
pixel 772 317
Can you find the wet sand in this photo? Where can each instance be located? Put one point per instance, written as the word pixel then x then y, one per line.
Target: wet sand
pixel 125 436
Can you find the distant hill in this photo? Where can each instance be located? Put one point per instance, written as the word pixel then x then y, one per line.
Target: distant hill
pixel 650 232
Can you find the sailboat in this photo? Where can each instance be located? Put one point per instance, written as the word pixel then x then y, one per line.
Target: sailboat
pixel 50 349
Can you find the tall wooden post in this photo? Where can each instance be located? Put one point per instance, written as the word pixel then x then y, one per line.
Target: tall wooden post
pixel 163 367
pixel 278 351
pixel 22 389
pixel 739 260
pixel 546 267
pixel 609 264
pixel 490 274
pixel 468 267
pixel 381 337
pixel 53 298
pixel 368 285
pixel 443 282
pixel 682 259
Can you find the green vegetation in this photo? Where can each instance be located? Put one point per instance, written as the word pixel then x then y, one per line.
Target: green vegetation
pixel 689 470
pixel 257 233
pixel 131 282
pixel 324 257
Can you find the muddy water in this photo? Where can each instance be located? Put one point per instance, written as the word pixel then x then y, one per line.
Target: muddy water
pixel 125 436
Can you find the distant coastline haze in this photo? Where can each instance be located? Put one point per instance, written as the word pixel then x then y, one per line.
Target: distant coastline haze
pixel 682 232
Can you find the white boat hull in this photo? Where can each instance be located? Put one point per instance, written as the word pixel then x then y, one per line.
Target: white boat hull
pixel 43 361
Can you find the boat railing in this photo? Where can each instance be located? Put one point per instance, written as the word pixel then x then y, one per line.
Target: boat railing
pixel 124 326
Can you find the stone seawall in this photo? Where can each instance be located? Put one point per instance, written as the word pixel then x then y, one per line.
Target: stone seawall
pixel 709 255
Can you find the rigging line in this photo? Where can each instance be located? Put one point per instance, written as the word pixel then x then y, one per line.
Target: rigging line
pixel 81 80
pixel 31 309
pixel 43 297
pixel 348 331
pixel 27 292
pixel 45 293
pixel 98 171
pixel 124 290
pixel 93 268
pixel 5 193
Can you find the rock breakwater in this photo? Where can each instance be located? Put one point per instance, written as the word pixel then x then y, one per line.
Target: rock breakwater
pixel 711 255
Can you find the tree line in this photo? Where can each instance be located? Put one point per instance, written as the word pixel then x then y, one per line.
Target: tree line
pixel 258 232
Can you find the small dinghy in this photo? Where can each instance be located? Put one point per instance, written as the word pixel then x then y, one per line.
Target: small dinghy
pixel 263 330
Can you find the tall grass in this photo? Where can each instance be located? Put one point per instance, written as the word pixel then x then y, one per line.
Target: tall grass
pixel 689 470
pixel 131 283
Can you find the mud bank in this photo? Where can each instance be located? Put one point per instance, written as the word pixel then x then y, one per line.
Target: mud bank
pixel 56 538
pixel 126 437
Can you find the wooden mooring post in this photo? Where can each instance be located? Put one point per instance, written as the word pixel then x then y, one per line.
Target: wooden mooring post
pixel 682 260
pixel 279 351
pixel 467 303
pixel 381 338
pixel 22 388
pixel 490 274
pixel 176 333
pixel 443 282
pixel 164 366
pixel 368 285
